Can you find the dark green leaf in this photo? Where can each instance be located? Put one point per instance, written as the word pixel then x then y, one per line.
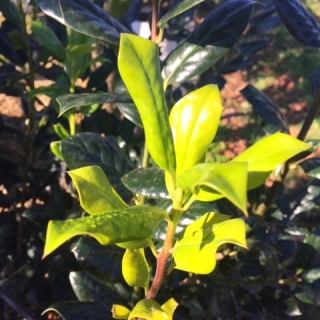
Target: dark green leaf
pixel 44 213
pixel 72 310
pixel 224 25
pixel 49 40
pixel 148 182
pixel 311 275
pixel 88 289
pixel 69 101
pixel 178 9
pixel 190 60
pixel 85 17
pixel 85 149
pixel 10 12
pixel 269 113
pixel 139 67
pixel 311 167
pixel 133 223
pixel 101 262
pixel 129 110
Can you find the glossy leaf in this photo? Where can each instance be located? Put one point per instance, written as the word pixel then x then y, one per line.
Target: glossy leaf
pixel 300 23
pixel 224 25
pixel 195 252
pixel 311 167
pixel 60 130
pixel 72 310
pixel 95 191
pixel 10 12
pixel 49 40
pixel 266 110
pixel 211 181
pixel 129 110
pixel 135 268
pixel 265 155
pixel 118 8
pixel 148 309
pixel 120 312
pixel 100 262
pixel 148 182
pixel 190 60
pixel 88 289
pixel 85 17
pixel 55 147
pixel 70 101
pixel 169 307
pixel 194 121
pixel 178 9
pixel 86 149
pixel 139 68
pixel 132 223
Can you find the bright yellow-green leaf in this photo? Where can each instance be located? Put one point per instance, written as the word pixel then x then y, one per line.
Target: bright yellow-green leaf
pixel 135 269
pixel 148 309
pixel 139 67
pixel 169 306
pixel 211 181
pixel 194 121
pixel 129 224
pixel 55 147
pixel 95 192
pixel 265 155
pixel 196 251
pixel 120 312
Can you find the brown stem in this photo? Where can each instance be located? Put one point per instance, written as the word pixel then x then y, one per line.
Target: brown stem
pixel 272 191
pixel 162 260
pixel 154 21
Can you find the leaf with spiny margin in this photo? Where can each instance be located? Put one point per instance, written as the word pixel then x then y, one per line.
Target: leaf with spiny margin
pixel 194 121
pixel 135 268
pixel 178 9
pixel 148 309
pixel 148 182
pixel 300 23
pixel 272 119
pixel 70 101
pixel 195 252
pixel 85 17
pixel 266 154
pixel 95 191
pixel 211 181
pixel 139 67
pixel 128 224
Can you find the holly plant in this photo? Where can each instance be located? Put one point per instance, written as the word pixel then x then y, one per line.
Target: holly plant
pixel 177 144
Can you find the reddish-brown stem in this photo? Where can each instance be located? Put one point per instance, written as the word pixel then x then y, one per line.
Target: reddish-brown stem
pixel 162 260
pixel 154 21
